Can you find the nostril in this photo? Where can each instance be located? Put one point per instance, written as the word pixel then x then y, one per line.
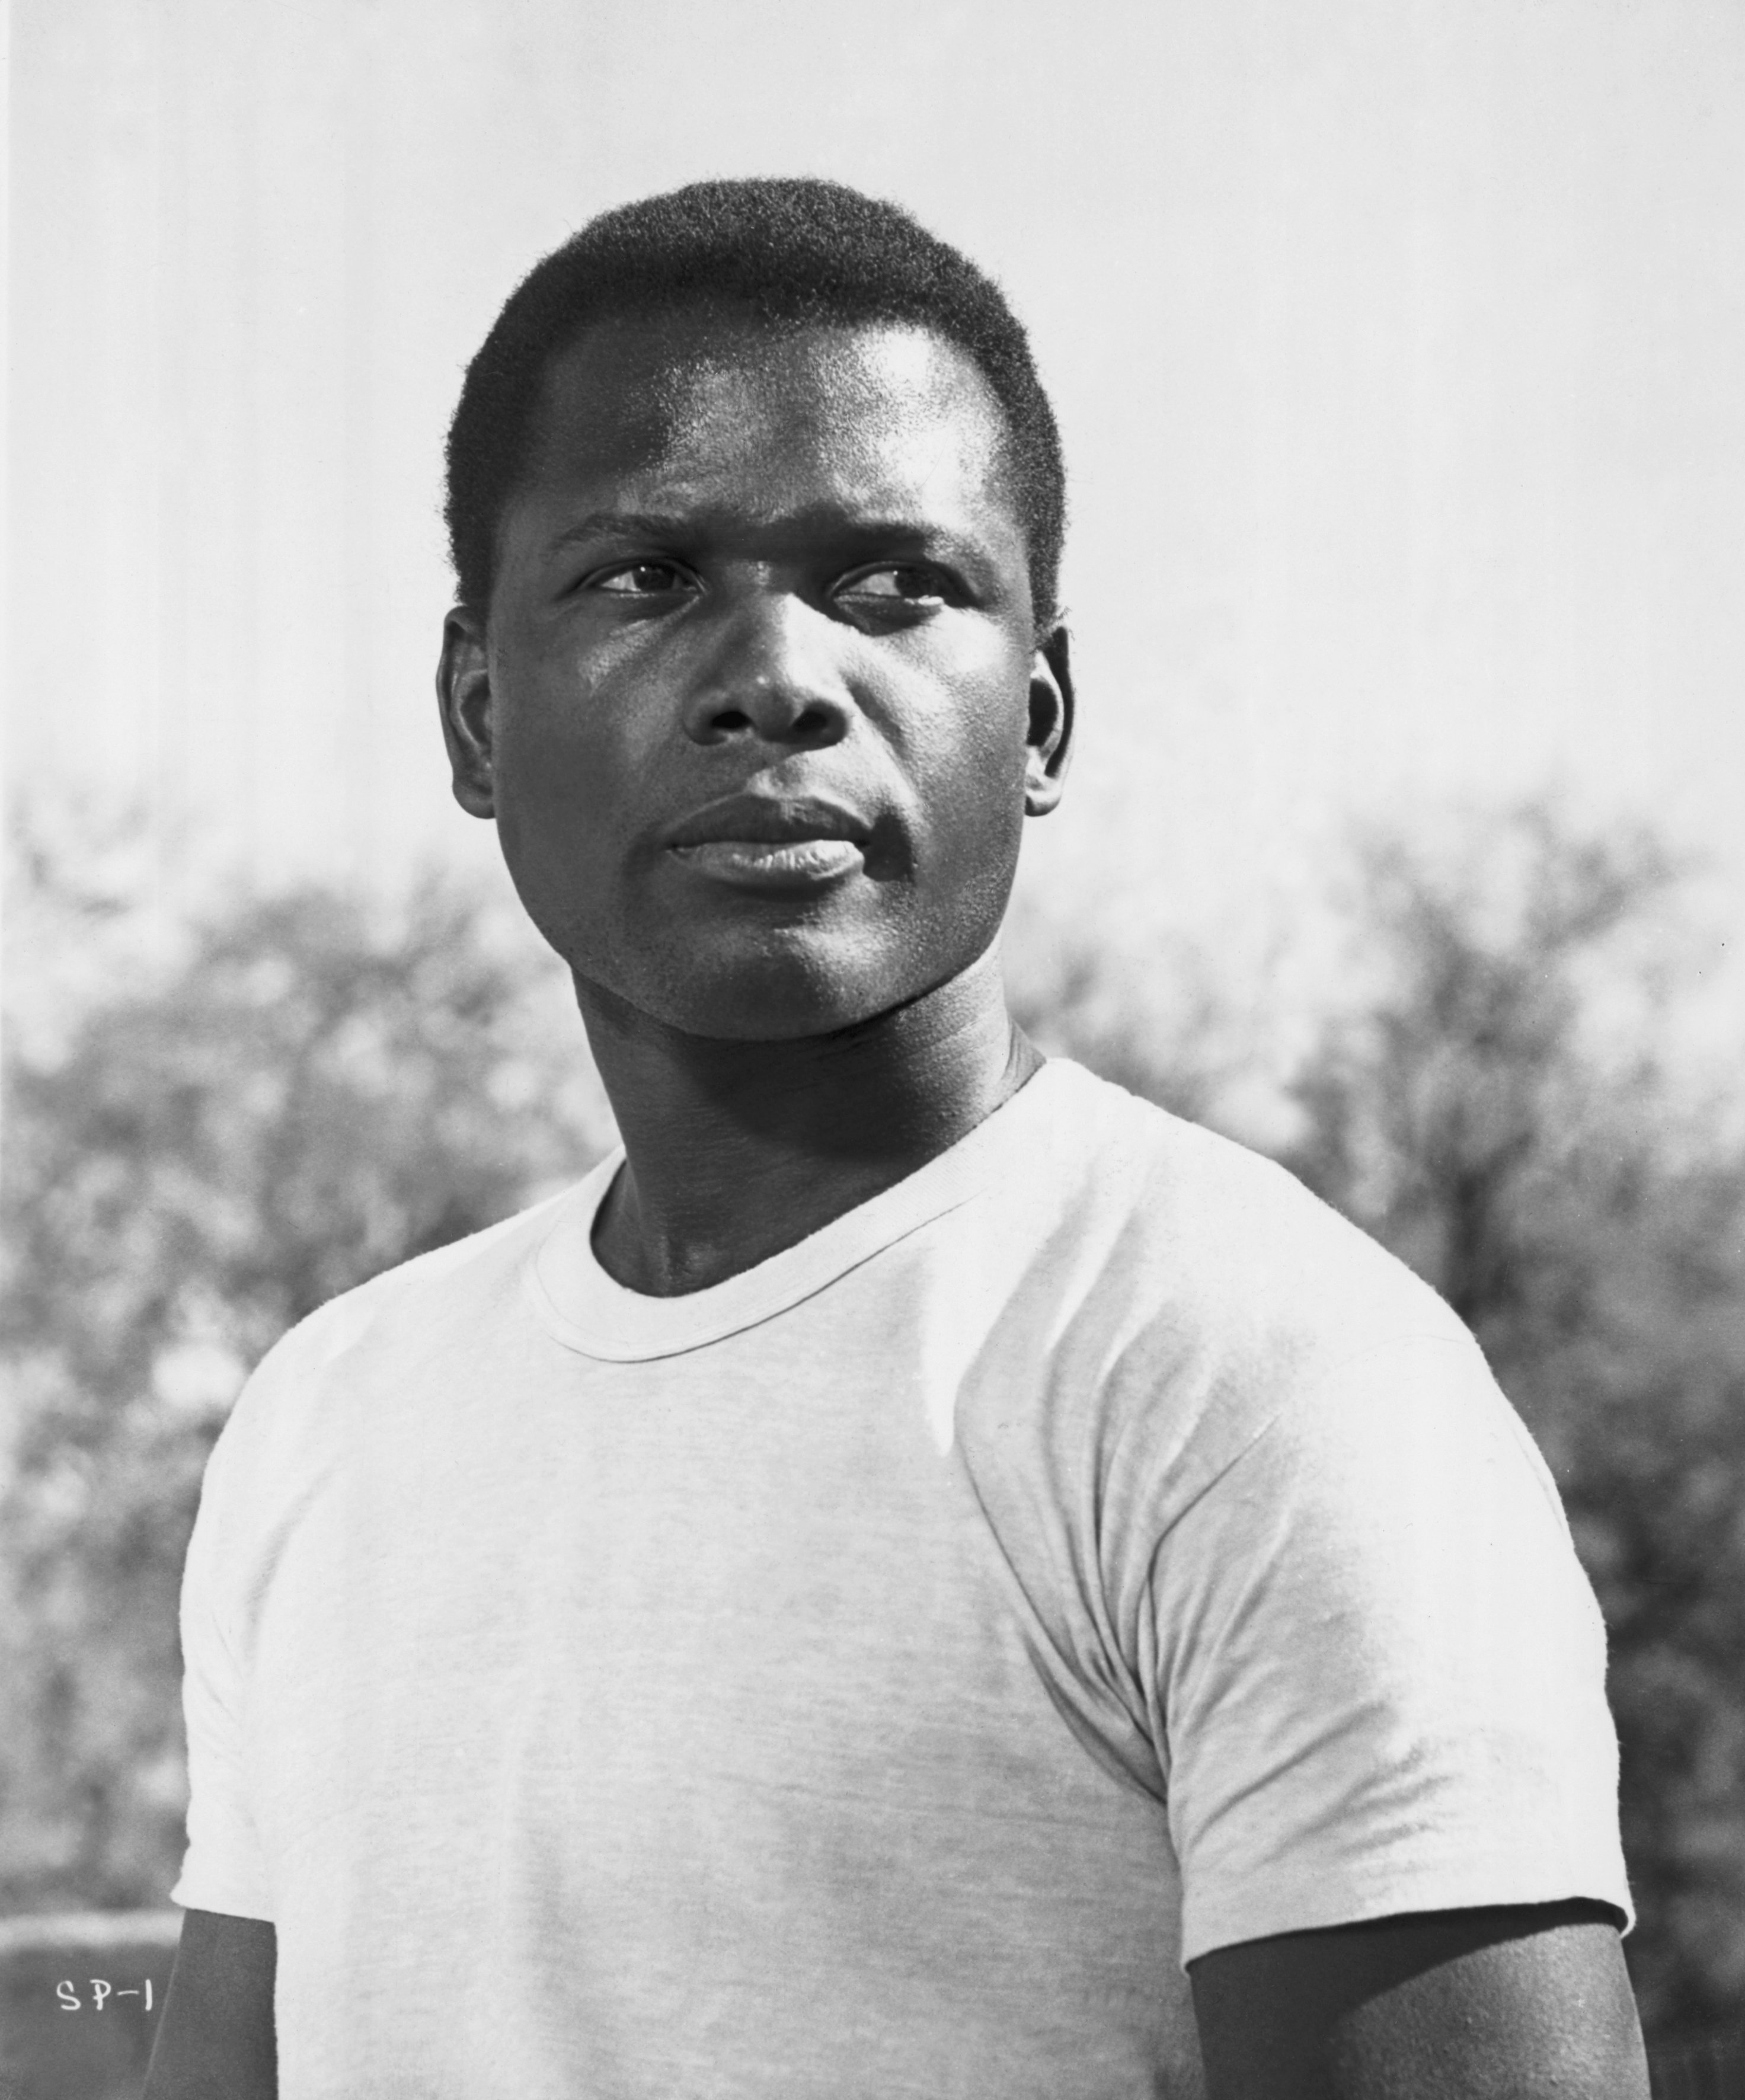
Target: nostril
pixel 815 722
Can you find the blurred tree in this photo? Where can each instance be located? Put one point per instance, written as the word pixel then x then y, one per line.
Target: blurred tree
pixel 293 1094
pixel 215 1124
pixel 1145 1006
pixel 1497 1104
pixel 1491 1087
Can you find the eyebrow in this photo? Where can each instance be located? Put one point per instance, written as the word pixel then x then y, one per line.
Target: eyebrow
pixel 842 530
pixel 632 524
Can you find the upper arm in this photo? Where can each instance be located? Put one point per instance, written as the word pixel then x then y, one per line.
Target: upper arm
pixel 215 2038
pixel 1509 2003
pixel 1379 1677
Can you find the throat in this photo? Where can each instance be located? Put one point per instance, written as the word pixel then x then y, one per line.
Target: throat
pixel 706 1197
pixel 717 1232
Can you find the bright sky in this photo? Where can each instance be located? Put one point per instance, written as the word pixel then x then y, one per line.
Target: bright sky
pixel 1397 345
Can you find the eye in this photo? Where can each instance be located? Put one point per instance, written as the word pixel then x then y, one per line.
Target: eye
pixel 900 584
pixel 639 580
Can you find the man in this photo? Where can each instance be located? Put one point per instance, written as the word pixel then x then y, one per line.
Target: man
pixel 922 1575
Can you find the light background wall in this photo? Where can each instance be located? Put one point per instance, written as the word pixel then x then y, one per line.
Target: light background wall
pixel 1397 345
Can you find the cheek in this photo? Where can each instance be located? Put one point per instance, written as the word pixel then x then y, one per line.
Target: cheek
pixel 554 805
pixel 557 751
pixel 971 754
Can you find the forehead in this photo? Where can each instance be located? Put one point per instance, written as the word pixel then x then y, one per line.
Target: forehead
pixel 693 412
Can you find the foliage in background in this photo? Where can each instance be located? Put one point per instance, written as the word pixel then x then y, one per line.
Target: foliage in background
pixel 298 1091
pixel 1501 1112
pixel 296 1094
pixel 1490 1092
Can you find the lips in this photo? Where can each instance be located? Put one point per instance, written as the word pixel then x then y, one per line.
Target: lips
pixel 769 820
pixel 799 864
pixel 765 842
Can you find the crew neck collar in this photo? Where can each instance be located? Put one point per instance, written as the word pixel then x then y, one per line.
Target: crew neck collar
pixel 588 1311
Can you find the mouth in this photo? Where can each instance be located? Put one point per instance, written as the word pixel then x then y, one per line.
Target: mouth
pixel 769 842
pixel 788 864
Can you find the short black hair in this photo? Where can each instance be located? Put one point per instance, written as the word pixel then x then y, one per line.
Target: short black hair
pixel 794 250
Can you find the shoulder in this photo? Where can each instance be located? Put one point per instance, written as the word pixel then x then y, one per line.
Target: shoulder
pixel 403 1314
pixel 441 1276
pixel 1246 1339
pixel 1223 1255
pixel 1167 1299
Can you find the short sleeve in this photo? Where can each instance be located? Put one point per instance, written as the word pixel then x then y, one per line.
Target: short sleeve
pixel 223 1868
pixel 1380 1668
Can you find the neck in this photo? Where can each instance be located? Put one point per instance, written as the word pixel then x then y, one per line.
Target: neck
pixel 736 1151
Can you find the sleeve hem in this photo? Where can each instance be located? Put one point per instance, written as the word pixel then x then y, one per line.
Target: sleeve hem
pixel 1310 1903
pixel 191 1895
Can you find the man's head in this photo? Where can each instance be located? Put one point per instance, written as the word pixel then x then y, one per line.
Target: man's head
pixel 791 251
pixel 749 667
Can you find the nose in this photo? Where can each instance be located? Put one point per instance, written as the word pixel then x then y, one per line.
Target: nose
pixel 770 670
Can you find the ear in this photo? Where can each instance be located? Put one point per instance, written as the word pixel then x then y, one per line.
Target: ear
pixel 463 692
pixel 1051 718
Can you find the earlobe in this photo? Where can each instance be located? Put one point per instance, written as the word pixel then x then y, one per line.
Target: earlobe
pixel 463 695
pixel 1051 723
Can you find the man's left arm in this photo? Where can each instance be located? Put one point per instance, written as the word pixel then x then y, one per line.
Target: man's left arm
pixel 1516 2002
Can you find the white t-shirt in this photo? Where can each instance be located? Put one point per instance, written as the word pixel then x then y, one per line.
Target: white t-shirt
pixel 880 1673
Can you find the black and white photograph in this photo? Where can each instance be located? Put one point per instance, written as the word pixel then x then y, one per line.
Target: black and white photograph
pixel 872 1051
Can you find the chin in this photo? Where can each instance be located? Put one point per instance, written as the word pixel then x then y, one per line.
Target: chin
pixel 772 1007
pixel 779 992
